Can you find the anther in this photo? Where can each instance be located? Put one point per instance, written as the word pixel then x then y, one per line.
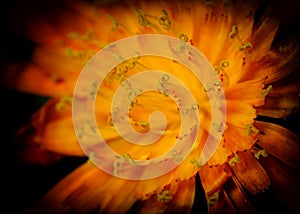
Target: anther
pixel 266 91
pixel 234 160
pixel 213 199
pixel 115 22
pixel 183 37
pixel 164 196
pixel 261 153
pixel 282 49
pixel 164 20
pixel 195 163
pixel 208 2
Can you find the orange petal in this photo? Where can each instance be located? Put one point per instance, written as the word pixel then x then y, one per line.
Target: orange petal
pixel 53 128
pixel 236 138
pixel 247 92
pixel 250 173
pixel 88 189
pixel 238 196
pixel 181 199
pixel 279 106
pixel 239 113
pixel 222 204
pixel 21 77
pixel 273 65
pixel 213 178
pixel 280 142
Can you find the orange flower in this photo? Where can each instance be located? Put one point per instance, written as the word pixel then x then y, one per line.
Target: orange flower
pixel 253 154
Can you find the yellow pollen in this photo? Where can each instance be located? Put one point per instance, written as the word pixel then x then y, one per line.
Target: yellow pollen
pixel 261 153
pixel 142 20
pixel 213 199
pixel 115 23
pixel 234 160
pixel 283 49
pixel 266 91
pixel 110 121
pixel 245 46
pixel 195 163
pixel 164 21
pixel 63 103
pixel 221 70
pixel 250 128
pixel 183 37
pixel 164 196
pixel 208 2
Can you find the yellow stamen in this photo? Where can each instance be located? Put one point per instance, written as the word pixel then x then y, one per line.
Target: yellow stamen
pixel 164 21
pixel 127 157
pixel 261 153
pixel 143 124
pixel 63 103
pixel 142 20
pixel 208 2
pixel 213 199
pixel 195 163
pixel 115 23
pixel 283 48
pixel 234 32
pixel 234 160
pixel 183 37
pixel 245 46
pixel 164 196
pixel 250 128
pixel 110 121
pixel 266 91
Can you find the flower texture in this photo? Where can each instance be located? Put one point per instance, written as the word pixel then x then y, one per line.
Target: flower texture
pixel 256 71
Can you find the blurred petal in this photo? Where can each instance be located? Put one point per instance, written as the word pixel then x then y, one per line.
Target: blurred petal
pixel 250 173
pixel 238 197
pixel 53 128
pixel 213 178
pixel 279 142
pixel 279 106
pixel 180 201
pixel 222 204
pixel 88 189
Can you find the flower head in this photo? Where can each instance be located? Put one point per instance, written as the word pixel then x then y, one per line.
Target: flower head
pixel 252 72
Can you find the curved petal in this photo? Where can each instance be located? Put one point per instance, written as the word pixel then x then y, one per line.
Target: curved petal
pixel 279 142
pixel 238 197
pixel 179 198
pixel 53 128
pixel 279 106
pixel 213 178
pixel 222 204
pixel 88 189
pixel 250 173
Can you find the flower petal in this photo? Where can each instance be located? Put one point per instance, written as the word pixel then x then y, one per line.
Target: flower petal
pixel 53 128
pixel 88 189
pixel 181 199
pixel 238 197
pixel 250 173
pixel 280 142
pixel 222 204
pixel 213 178
pixel 279 106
